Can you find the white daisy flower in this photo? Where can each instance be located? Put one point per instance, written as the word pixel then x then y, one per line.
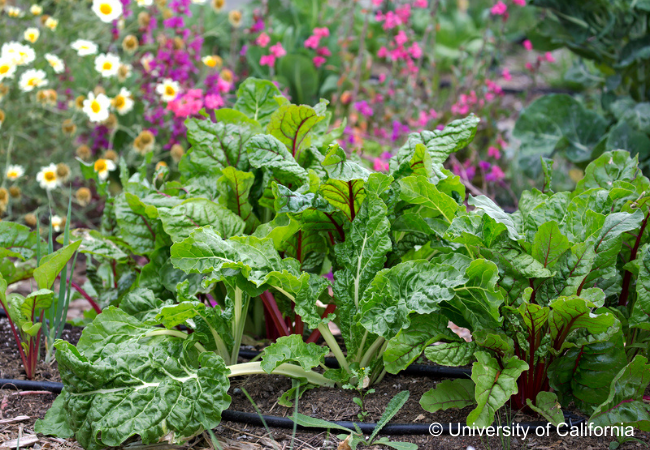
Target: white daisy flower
pixel 56 222
pixel 168 89
pixel 31 34
pixel 18 53
pixel 123 102
pixel 37 10
pixel 56 62
pixel 14 172
pixel 7 68
pixel 102 167
pixel 107 64
pixel 51 23
pixel 107 10
pixel 199 2
pixel 47 177
pixel 84 47
pixel 97 107
pixel 144 3
pixel 12 11
pixel 124 72
pixel 31 79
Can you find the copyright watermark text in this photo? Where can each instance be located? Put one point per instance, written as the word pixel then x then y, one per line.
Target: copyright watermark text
pixel 521 431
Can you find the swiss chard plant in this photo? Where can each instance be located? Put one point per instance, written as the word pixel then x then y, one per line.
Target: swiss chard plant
pixel 571 270
pixel 38 317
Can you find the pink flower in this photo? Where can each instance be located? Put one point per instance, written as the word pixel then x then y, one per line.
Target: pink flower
pixel 277 50
pixel 377 2
pixel 322 32
pixel 401 38
pixel 382 77
pixel 392 21
pixel 323 51
pixel 506 75
pixel 383 52
pixel 549 57
pixel 519 2
pixel 188 104
pixel 415 50
pixel 496 174
pixel 223 85
pixel 499 9
pixel 380 166
pixel 404 13
pixel 420 4
pixel 312 41
pixel 267 60
pixel 530 67
pixel 213 101
pixel 318 61
pixel 528 45
pixel 433 114
pixel 263 40
pixel 494 152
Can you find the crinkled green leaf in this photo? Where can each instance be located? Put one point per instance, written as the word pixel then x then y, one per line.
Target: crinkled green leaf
pixel 291 125
pixel 625 404
pixel 346 196
pixel 407 346
pixel 491 209
pixel 268 153
pixel 549 244
pixel 256 99
pixel 142 304
pixel 17 240
pixel 338 167
pixel 181 220
pixel 494 386
pixel 94 243
pixel 292 349
pixel 547 405
pixel 452 354
pixel 234 187
pixel 640 316
pixel 417 190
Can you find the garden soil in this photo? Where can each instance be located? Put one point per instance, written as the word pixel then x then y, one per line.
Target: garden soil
pixel 324 403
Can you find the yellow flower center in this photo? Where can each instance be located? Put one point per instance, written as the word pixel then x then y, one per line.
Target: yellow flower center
pixel 169 90
pixel 33 82
pixel 210 62
pixel 105 8
pixel 119 101
pixel 12 174
pixel 95 106
pixel 49 176
pixel 4 69
pixel 107 66
pixel 100 165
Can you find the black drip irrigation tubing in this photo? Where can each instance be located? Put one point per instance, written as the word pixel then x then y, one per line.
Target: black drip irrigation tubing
pixel 437 429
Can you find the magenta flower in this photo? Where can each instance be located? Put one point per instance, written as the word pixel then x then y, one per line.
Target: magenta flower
pixel 528 45
pixel 277 50
pixel 415 50
pixel 364 108
pixel 380 165
pixel 382 77
pixel 318 61
pixel 494 152
pixel 420 4
pixel 263 40
pixel 322 32
pixel 496 174
pixel 391 21
pixel 506 75
pixel 519 2
pixel 499 9
pixel 401 38
pixel 484 165
pixel 323 51
pixel 530 67
pixel 188 104
pixel 382 52
pixel 312 41
pixel 267 60
pixel 213 101
pixel 549 57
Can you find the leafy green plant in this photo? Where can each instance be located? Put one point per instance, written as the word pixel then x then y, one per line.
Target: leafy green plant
pixel 571 318
pixel 38 315
pixel 610 38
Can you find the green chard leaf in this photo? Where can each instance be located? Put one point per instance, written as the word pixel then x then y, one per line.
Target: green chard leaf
pixel 292 349
pixel 494 386
pixel 449 394
pixel 234 187
pixel 291 125
pixel 256 99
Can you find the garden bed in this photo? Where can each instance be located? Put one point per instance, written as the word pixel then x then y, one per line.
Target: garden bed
pixel 330 404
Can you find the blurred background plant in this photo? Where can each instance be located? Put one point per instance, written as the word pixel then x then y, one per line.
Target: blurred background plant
pixel 108 78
